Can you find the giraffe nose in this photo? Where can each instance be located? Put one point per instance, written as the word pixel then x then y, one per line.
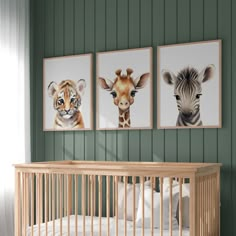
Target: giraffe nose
pixel 124 104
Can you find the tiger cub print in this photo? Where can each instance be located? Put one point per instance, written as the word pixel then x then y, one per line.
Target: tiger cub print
pixel 67 101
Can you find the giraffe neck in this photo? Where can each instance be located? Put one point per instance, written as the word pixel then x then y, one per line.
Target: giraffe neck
pixel 194 120
pixel 124 118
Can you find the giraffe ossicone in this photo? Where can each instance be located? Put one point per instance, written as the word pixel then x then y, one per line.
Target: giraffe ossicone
pixel 123 89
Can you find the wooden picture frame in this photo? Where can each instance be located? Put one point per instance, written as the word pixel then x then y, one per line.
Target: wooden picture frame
pixel 67 93
pixel 121 75
pixel 184 99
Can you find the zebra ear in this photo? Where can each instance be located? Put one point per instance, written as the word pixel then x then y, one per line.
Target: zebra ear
pixel 169 77
pixel 52 88
pixel 105 83
pixel 207 73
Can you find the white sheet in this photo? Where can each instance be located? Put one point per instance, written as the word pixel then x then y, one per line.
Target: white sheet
pixel 96 228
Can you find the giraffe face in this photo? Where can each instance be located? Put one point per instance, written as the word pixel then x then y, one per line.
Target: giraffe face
pixel 124 88
pixel 123 93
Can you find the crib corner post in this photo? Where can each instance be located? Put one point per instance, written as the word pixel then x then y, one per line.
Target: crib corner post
pixel 193 206
pixel 17 203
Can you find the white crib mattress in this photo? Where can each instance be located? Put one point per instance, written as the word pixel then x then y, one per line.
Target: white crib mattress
pixel 96 228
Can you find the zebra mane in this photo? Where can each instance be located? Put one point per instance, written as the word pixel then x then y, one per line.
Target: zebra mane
pixel 188 73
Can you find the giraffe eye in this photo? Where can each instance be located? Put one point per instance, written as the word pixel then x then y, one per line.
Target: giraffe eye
pixel 132 94
pixel 198 96
pixel 113 93
pixel 177 97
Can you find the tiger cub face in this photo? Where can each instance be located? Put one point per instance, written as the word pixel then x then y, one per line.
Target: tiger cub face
pixel 66 97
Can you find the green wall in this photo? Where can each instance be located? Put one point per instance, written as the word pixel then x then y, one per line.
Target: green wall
pixel 65 27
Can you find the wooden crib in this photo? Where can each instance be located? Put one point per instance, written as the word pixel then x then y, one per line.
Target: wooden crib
pixel 111 198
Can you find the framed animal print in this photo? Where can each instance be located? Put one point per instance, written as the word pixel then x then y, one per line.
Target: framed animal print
pixel 67 93
pixel 189 85
pixel 124 89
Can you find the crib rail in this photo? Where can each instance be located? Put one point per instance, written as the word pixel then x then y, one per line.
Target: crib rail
pixel 48 192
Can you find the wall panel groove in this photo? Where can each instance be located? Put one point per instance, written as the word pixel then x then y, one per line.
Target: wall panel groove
pixel 67 27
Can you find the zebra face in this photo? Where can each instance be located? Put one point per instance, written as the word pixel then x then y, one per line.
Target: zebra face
pixel 187 95
pixel 188 88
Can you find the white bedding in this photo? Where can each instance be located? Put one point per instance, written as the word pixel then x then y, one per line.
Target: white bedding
pixel 96 228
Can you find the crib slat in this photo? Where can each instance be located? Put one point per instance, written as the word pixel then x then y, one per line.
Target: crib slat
pixel 142 194
pixel 50 197
pixel 100 204
pixel 116 205
pixel 92 203
pixel 76 204
pixel 152 212
pixel 38 202
pixel 161 206
pixel 108 204
pixel 180 207
pixel 23 205
pixel 193 205
pixel 125 205
pixel 46 202
pixel 41 196
pixel 134 205
pixel 88 203
pixel 27 200
pixel 83 202
pixel 170 206
pixel 32 204
pixel 69 189
pixel 17 203
pixel 53 205
pixel 61 201
pixel 64 195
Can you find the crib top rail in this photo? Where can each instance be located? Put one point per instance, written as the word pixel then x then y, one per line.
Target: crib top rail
pixel 120 168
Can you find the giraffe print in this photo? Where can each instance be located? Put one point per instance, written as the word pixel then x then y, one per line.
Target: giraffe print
pixel 123 90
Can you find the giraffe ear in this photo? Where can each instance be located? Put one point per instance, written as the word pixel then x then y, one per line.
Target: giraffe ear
pixel 105 83
pixel 52 88
pixel 169 77
pixel 141 81
pixel 207 73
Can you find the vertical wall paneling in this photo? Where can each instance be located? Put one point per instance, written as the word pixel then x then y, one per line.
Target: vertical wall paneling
pixel 233 67
pixel 197 21
pixel 38 75
pixel 59 51
pixel 134 42
pixel 170 38
pixel 146 40
pixel 89 47
pixel 158 33
pixel 48 52
pixel 122 43
pixel 68 50
pixel 100 46
pixel 111 44
pixel 32 81
pixel 210 32
pixel 224 134
pixel 67 27
pixel 183 35
pixel 79 45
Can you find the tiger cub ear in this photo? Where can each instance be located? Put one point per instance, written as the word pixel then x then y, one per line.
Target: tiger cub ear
pixel 52 88
pixel 81 86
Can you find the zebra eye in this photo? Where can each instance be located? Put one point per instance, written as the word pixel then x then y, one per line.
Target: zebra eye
pixel 132 94
pixel 198 96
pixel 60 101
pixel 177 97
pixel 113 93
